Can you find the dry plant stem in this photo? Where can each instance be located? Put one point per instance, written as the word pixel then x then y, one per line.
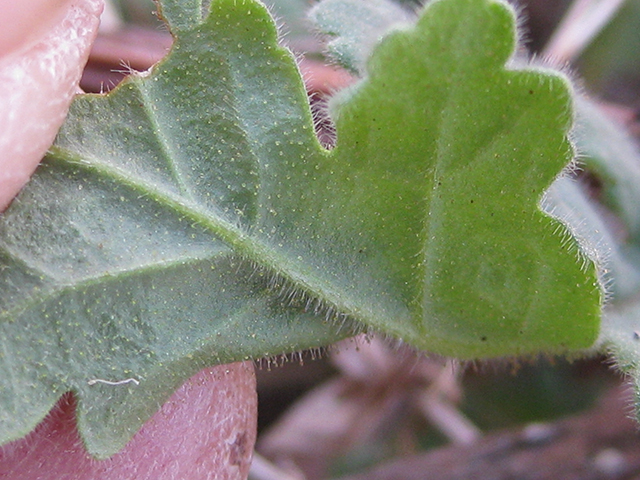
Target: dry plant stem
pixel 560 450
pixel 449 420
pixel 378 384
pixel 438 406
pixel 581 24
pixel 263 469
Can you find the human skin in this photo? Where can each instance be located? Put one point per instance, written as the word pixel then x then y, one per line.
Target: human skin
pixel 207 428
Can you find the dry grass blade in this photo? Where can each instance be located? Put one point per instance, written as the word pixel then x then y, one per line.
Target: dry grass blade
pixel 584 20
pixel 380 388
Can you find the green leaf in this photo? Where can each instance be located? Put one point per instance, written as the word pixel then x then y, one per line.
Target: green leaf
pixel 192 217
pixel 184 14
pixel 357 27
pixel 451 152
pixel 130 254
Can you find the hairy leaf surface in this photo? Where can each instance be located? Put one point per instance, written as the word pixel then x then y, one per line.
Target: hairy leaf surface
pixel 191 216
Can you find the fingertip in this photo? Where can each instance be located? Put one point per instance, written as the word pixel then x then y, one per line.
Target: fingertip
pixel 30 19
pixel 206 430
pixel 40 77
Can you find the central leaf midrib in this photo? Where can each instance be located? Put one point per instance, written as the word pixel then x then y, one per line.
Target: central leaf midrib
pixel 240 241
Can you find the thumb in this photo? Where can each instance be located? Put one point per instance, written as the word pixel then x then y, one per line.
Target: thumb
pixel 43 50
pixel 205 431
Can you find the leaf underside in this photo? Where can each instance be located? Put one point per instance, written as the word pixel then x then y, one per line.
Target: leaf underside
pixel 191 217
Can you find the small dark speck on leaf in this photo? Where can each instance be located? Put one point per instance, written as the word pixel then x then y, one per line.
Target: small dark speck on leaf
pixel 483 338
